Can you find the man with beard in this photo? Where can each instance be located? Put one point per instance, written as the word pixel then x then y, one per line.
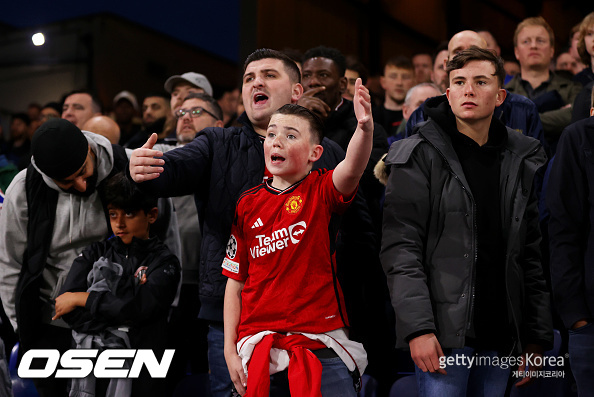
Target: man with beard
pixel 156 114
pixel 51 212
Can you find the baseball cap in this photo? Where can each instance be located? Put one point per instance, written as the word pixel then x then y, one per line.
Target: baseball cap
pixel 197 79
pixel 128 96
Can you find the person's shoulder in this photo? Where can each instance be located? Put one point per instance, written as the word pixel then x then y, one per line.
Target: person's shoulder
pixel 17 185
pixel 250 194
pixel 401 150
pixel 579 130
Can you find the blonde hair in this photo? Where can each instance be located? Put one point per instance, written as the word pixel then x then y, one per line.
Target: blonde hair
pixel 534 21
pixel 587 23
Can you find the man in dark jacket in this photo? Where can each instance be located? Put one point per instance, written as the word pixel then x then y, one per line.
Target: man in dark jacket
pixel 217 166
pixel 460 241
pixel 572 241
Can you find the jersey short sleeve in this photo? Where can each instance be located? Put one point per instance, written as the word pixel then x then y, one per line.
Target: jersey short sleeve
pixel 337 201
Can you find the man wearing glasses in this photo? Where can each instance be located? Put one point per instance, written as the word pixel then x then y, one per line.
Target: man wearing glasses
pixel 197 112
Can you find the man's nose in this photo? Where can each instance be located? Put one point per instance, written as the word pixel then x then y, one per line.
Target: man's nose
pixel 80 184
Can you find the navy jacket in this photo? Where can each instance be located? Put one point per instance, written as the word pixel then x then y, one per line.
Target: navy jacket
pixel 216 167
pixel 569 199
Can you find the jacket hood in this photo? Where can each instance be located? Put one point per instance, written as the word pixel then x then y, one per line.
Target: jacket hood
pixel 103 159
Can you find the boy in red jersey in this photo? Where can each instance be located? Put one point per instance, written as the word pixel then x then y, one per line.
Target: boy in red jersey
pixel 283 303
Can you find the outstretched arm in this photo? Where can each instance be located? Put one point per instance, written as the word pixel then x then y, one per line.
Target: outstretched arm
pixel 348 173
pixel 144 165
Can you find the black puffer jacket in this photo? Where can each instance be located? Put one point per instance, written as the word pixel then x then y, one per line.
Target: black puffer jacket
pixel 131 304
pixel 217 166
pixel 429 239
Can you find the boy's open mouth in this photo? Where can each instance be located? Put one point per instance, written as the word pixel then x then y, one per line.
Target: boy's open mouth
pixel 276 158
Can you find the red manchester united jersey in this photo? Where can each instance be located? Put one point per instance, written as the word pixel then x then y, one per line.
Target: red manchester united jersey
pixel 282 246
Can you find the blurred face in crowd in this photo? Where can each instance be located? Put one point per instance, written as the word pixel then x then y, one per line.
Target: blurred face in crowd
pixel 154 108
pixel 179 93
pixel 417 97
pixel 229 101
pixel 195 119
pixel 396 82
pixel 323 72
pixel 48 113
pixel 423 66
pixel 351 76
pixel 124 111
pixel 78 108
pixel 266 87
pixel 533 49
pixel 566 62
pixel 439 75
pixel 18 129
pixel 474 92
pixel 511 68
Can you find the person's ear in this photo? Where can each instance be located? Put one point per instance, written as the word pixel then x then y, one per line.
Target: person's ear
pixel 219 123
pixel 316 153
pixel 297 92
pixel 343 84
pixel 501 95
pixel 152 215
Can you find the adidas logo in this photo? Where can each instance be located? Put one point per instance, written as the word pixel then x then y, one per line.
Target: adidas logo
pixel 258 223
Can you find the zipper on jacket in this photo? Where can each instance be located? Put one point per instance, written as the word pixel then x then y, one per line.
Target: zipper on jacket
pixel 470 304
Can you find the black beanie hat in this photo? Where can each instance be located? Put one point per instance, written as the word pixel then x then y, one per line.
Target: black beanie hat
pixel 59 148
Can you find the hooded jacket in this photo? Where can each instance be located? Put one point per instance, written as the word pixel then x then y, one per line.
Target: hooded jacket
pixel 429 246
pixel 79 221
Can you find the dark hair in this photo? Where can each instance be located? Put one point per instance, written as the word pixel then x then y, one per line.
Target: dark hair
pixel 400 62
pixel 95 101
pixel 353 63
pixel 474 53
pixel 122 193
pixel 266 53
pixel 22 116
pixel 213 105
pixel 329 53
pixel 53 105
pixel 159 94
pixel 316 126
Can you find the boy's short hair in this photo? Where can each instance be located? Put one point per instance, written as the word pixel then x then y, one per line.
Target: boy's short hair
pixel 329 53
pixel 475 53
pixel 266 53
pixel 316 126
pixel 400 62
pixel 122 193
pixel 534 21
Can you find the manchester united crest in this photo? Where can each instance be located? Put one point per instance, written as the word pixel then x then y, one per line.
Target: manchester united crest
pixel 293 204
